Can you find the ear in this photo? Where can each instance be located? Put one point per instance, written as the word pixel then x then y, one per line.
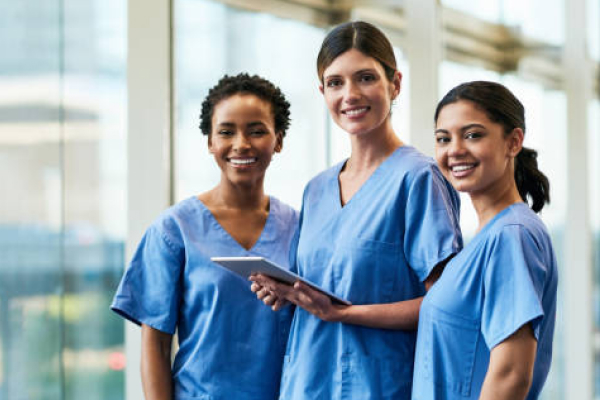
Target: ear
pixel 321 89
pixel 396 84
pixel 209 144
pixel 279 143
pixel 514 142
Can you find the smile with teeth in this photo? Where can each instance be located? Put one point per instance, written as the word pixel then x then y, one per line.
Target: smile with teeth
pixel 463 167
pixel 242 161
pixel 355 111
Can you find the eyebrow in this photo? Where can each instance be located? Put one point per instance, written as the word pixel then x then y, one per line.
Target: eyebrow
pixel 360 71
pixel 250 125
pixel 464 128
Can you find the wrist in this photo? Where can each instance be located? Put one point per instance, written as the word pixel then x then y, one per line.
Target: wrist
pixel 342 313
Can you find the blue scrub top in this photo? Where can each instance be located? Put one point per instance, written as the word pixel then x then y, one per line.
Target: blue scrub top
pixel 230 345
pixel 505 278
pixel 376 249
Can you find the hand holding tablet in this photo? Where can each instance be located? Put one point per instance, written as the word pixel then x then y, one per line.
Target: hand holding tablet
pixel 246 266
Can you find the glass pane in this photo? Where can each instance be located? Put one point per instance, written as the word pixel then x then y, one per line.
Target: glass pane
pixel 30 212
pixel 95 186
pixel 593 27
pixel 213 39
pixel 487 10
pixel 594 199
pixel 538 19
pixel 62 156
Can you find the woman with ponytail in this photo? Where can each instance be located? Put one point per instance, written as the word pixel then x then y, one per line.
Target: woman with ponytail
pixel 486 326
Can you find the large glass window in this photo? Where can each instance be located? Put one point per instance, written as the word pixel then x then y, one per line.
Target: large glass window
pixel 594 200
pixel 213 39
pixel 62 212
pixel 593 28
pixel 539 19
pixel 486 10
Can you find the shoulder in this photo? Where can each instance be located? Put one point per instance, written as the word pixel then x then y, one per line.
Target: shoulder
pixel 323 181
pixel 283 212
pixel 174 222
pixel 416 164
pixel 323 177
pixel 519 225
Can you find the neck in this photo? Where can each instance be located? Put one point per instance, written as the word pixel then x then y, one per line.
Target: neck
pixel 250 197
pixel 489 204
pixel 370 149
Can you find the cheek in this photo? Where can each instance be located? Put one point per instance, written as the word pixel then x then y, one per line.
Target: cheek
pixel 440 156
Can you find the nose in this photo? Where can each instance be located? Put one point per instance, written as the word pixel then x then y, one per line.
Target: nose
pixel 241 142
pixel 456 148
pixel 352 92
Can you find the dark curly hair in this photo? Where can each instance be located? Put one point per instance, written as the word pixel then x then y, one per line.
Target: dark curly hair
pixel 246 84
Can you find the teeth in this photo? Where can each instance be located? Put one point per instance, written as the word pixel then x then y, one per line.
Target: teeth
pixel 242 161
pixel 357 111
pixel 459 168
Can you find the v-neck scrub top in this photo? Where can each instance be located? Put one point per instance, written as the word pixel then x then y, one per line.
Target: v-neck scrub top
pixel 231 346
pixel 378 248
pixel 504 278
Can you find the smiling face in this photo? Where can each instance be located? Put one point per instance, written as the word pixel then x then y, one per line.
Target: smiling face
pixel 357 92
pixel 243 138
pixel 473 152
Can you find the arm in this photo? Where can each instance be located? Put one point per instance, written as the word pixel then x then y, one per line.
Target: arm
pixel 510 370
pixel 399 315
pixel 156 364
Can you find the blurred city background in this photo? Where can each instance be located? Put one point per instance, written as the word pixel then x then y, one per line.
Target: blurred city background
pixel 87 159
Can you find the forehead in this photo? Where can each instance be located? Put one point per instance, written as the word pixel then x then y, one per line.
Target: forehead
pixel 351 61
pixel 242 106
pixel 462 112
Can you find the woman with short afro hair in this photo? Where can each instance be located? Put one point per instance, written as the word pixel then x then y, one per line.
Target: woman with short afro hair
pixel 230 345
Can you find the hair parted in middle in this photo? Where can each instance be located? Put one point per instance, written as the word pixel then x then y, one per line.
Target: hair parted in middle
pixel 246 84
pixel 361 36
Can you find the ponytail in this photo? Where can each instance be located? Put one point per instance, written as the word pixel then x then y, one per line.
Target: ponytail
pixel 531 182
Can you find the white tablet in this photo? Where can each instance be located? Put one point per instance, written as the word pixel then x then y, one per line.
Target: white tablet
pixel 246 266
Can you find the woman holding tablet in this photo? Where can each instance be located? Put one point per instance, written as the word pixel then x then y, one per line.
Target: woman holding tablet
pixel 487 325
pixel 372 230
pixel 230 345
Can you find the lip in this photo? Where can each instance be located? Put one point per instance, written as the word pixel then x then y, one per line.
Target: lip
pixel 461 170
pixel 356 112
pixel 242 162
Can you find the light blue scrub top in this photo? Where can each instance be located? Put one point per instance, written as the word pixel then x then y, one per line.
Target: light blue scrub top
pixel 376 249
pixel 506 277
pixel 230 345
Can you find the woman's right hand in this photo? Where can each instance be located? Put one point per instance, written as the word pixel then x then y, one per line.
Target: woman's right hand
pixel 269 291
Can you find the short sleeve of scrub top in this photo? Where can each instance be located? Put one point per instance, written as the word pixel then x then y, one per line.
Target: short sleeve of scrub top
pixel 231 346
pixel 431 202
pixel 512 292
pixel 151 292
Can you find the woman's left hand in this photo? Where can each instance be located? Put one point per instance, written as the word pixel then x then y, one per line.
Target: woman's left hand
pixel 303 296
